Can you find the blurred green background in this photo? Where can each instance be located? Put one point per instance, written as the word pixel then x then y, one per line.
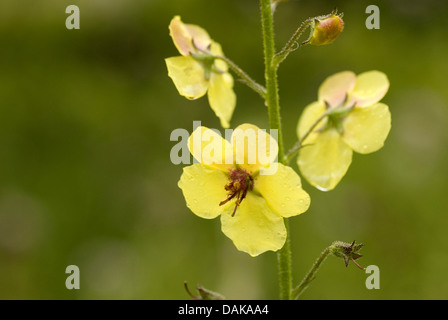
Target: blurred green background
pixel 86 177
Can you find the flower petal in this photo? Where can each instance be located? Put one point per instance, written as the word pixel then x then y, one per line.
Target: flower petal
pixel 203 189
pixel 283 191
pixel 366 129
pixel 309 116
pixel 216 50
pixel 221 97
pixel 334 89
pixel 254 148
pixel 254 228
pixel 201 39
pixel 210 149
pixel 325 161
pixel 371 86
pixel 181 37
pixel 188 37
pixel 188 76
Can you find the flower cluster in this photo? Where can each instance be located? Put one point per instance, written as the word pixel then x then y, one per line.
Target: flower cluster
pixel 252 195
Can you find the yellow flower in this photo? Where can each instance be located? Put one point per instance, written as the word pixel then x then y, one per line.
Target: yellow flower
pixel 241 181
pixel 355 121
pixel 196 72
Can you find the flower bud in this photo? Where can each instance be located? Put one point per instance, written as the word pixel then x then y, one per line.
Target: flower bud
pixel 347 251
pixel 326 30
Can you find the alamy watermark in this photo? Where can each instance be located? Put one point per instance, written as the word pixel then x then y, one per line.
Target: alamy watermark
pixel 248 146
pixel 373 20
pixel 373 281
pixel 72 21
pixel 72 281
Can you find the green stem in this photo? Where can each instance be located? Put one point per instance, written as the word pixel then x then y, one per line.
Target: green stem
pixel 246 79
pixel 272 101
pixel 292 44
pixel 272 97
pixel 299 144
pixel 331 113
pixel 284 267
pixel 297 291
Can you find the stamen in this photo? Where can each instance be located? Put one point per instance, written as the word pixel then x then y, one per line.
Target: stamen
pixel 230 197
pixel 362 268
pixel 236 206
pixel 240 183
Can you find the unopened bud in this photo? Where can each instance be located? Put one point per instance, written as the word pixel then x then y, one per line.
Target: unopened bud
pixel 326 30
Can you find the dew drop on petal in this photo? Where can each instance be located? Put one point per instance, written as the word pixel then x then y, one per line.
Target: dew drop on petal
pixel 322 188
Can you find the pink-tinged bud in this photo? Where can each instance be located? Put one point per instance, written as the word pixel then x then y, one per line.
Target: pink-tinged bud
pixel 326 30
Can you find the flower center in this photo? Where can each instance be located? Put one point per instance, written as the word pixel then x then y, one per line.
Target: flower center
pixel 240 183
pixel 337 114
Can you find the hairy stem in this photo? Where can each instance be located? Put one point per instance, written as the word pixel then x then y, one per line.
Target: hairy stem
pixel 297 291
pixel 246 79
pixel 272 97
pixel 299 143
pixel 293 43
pixel 272 101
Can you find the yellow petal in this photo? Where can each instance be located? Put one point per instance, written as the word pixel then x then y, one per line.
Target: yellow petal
pixel 221 97
pixel 283 191
pixel 335 88
pixel 201 39
pixel 210 149
pixel 370 88
pixel 325 161
pixel 181 37
pixel 216 50
pixel 188 76
pixel 254 228
pixel 309 116
pixel 187 38
pixel 203 189
pixel 366 128
pixel 254 148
